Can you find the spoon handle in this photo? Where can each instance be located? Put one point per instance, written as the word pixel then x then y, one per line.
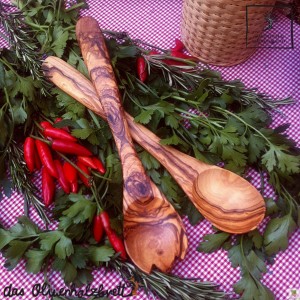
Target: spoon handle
pixel 97 60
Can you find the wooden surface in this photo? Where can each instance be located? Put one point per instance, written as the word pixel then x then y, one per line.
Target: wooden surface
pixel 154 234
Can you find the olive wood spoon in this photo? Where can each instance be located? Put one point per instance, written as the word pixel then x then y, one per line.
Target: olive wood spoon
pixel 154 233
pixel 228 201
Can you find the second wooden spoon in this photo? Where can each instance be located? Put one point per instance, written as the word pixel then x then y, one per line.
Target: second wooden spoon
pixel 154 234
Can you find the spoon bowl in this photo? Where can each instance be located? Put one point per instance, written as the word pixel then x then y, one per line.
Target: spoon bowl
pixel 152 238
pixel 228 200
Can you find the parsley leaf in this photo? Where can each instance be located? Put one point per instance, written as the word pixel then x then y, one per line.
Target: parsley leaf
pixel 256 146
pixel 14 253
pixel 60 37
pixel 213 242
pixel 79 258
pixel 82 210
pixel 276 157
pixel 74 109
pixel 100 254
pixel 69 273
pixel 252 266
pixel 277 233
pixel 5 238
pixel 145 116
pixel 49 239
pixel 64 247
pixel 35 260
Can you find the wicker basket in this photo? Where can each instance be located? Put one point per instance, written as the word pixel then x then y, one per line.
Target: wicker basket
pixel 215 31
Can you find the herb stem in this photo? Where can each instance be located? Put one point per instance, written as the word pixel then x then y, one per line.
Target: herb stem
pixel 36 26
pixel 58 9
pixel 184 100
pixel 35 236
pixel 133 100
pixel 6 63
pixel 94 117
pixel 201 119
pixel 75 6
pixel 72 27
pixel 8 104
pixel 224 112
pixel 95 196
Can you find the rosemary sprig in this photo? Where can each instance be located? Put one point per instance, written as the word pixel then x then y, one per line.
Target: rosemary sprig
pixel 189 77
pixel 22 183
pixel 167 286
pixel 19 37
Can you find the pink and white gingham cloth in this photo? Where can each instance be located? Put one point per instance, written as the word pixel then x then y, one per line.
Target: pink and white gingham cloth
pixel 273 71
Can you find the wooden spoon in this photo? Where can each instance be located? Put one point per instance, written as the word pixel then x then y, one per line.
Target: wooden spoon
pixel 154 234
pixel 227 200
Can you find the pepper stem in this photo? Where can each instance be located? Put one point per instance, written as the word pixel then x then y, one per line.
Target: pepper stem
pixel 41 139
pixel 98 201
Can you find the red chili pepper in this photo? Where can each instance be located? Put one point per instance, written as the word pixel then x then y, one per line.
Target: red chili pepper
pixel 65 128
pixel 141 68
pixel 58 119
pixel 86 181
pixel 62 178
pixel 46 157
pixel 71 176
pixel 48 187
pixel 70 172
pixel 70 148
pixel 113 238
pixel 46 124
pixel 99 165
pixel 153 52
pixel 105 221
pixel 117 244
pixel 74 187
pixel 29 153
pixel 179 46
pixel 87 161
pixel 172 62
pixel 98 229
pixel 37 162
pixel 92 162
pixel 58 133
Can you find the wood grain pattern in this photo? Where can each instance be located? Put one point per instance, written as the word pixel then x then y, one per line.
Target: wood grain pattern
pixel 243 216
pixel 154 234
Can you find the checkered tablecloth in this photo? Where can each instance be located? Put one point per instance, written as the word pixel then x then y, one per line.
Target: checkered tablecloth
pixel 274 71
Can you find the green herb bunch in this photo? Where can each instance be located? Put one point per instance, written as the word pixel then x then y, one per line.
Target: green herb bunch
pixel 193 109
pixel 189 107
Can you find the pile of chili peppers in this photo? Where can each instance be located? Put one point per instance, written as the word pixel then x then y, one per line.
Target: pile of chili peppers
pixel 177 52
pixel 42 153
